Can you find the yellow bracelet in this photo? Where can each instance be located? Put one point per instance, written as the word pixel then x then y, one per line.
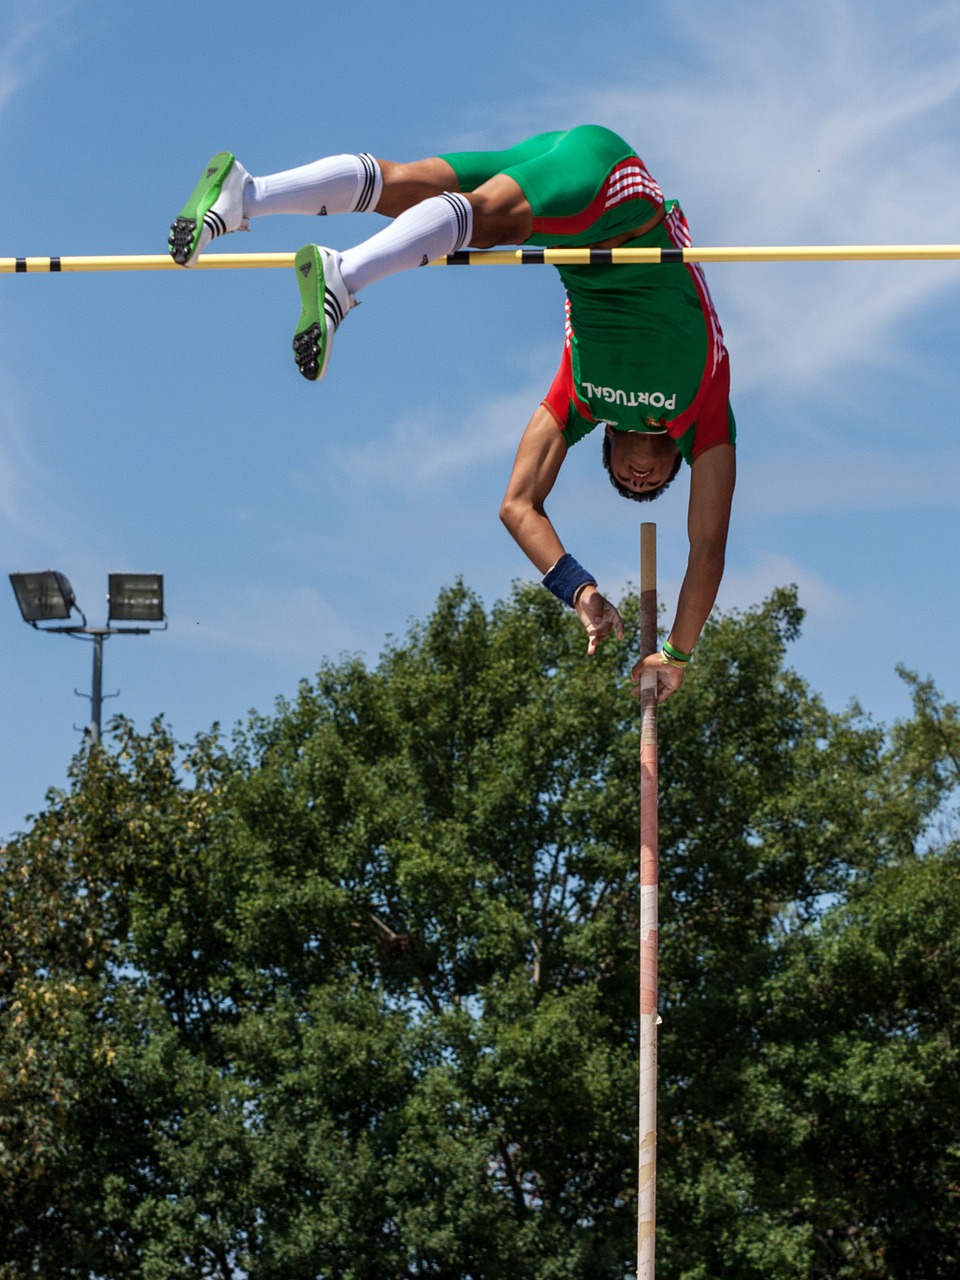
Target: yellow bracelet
pixel 667 661
pixel 676 654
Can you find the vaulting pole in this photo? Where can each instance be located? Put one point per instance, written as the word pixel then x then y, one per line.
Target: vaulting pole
pixel 649 858
pixel 510 257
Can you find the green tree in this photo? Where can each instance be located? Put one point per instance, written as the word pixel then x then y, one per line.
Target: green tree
pixel 787 853
pixel 355 995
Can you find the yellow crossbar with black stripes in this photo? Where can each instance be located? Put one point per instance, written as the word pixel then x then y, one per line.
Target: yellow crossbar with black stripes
pixel 511 257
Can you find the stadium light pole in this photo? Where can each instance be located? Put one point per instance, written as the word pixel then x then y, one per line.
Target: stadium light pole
pixel 133 597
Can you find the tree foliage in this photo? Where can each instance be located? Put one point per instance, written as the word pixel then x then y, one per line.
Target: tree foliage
pixel 354 994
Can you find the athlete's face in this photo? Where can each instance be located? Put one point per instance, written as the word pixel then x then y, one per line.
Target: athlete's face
pixel 640 461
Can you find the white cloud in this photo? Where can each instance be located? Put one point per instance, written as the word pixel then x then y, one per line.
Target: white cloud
pixel 283 623
pixel 25 489
pixel 432 446
pixel 874 479
pixel 26 28
pixel 743 587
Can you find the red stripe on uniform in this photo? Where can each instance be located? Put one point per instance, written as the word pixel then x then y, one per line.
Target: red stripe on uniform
pixel 628 180
pixel 679 233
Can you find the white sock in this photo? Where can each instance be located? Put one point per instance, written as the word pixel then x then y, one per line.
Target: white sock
pixel 434 227
pixel 336 184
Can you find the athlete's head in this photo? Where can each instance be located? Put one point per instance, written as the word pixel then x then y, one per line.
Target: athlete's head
pixel 640 464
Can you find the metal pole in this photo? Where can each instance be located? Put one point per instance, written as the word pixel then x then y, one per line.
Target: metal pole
pixel 649 855
pixel 96 694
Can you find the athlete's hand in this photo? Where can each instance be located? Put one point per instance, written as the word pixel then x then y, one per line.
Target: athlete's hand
pixel 669 679
pixel 598 616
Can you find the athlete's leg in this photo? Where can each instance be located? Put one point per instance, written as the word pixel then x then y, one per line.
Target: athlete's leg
pixel 405 185
pixel 496 213
pixel 501 213
pixel 349 184
pixel 227 197
pixel 333 184
pixel 437 205
pixel 355 184
pixel 329 281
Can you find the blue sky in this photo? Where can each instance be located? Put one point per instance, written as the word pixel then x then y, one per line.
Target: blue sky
pixel 156 422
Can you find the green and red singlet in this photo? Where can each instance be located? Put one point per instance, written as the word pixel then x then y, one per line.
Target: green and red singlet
pixel 644 350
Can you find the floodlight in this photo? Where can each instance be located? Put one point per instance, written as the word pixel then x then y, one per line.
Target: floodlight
pixel 133 597
pixel 136 597
pixel 43 596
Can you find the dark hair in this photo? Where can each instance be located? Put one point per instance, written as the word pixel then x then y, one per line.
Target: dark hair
pixel 644 495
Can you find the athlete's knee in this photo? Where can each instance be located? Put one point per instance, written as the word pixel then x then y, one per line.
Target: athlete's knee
pixel 501 213
pixel 406 184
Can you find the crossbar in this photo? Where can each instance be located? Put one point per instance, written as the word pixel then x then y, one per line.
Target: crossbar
pixel 511 257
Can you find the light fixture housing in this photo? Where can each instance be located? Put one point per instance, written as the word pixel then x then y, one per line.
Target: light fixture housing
pixel 43 596
pixel 135 597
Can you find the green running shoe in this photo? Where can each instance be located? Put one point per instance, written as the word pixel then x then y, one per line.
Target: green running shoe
pixel 214 208
pixel 324 301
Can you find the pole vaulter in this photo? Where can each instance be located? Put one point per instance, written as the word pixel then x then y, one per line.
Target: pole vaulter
pixel 643 363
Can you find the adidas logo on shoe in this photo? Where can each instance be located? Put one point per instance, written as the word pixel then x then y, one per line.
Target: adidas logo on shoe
pixel 305 269
pixel 214 208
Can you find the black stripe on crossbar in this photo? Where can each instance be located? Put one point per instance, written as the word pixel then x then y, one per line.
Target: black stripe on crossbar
pixel 528 257
pixel 21 264
pixel 54 264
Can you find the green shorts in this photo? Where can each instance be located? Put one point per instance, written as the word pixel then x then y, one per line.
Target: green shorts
pixel 584 184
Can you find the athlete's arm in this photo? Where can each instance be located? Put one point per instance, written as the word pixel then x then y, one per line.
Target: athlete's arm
pixel 535 469
pixel 712 480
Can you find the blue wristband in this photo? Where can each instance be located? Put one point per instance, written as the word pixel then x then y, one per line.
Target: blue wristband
pixel 565 577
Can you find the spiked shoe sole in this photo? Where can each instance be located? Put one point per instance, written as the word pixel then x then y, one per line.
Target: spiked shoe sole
pixel 185 231
pixel 311 344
